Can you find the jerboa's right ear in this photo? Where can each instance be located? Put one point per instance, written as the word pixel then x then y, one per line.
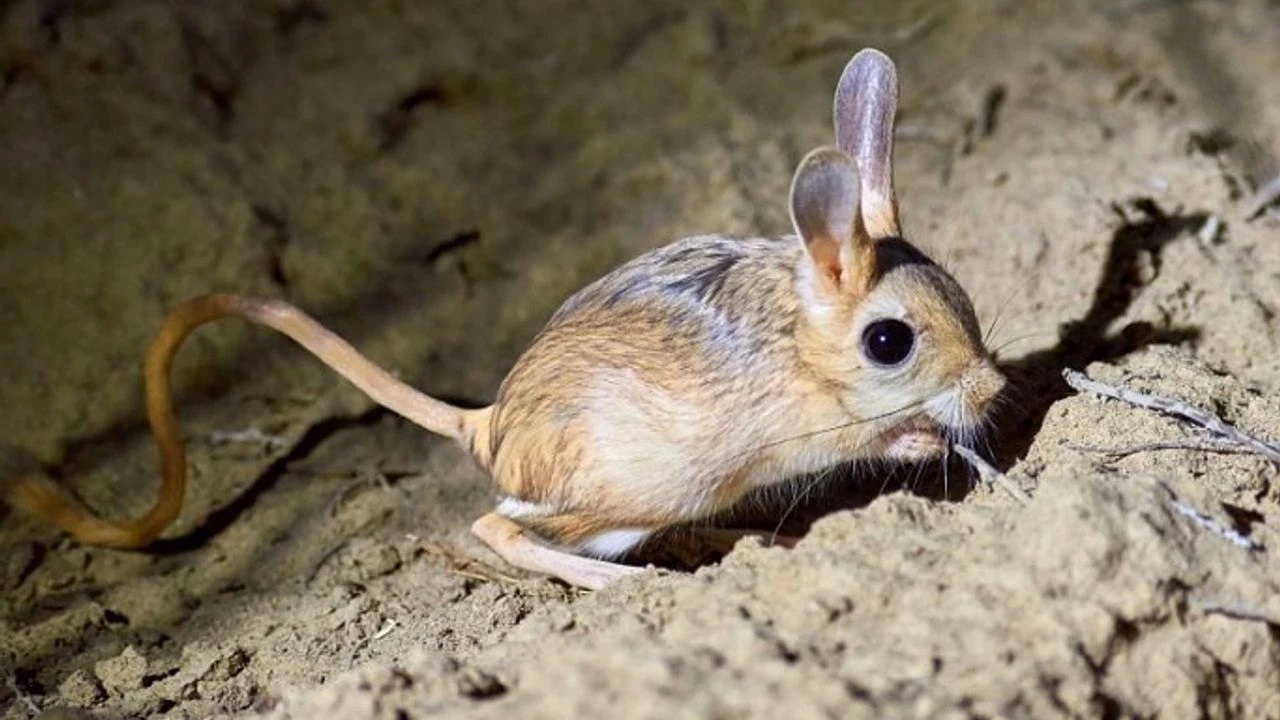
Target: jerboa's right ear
pixel 824 210
pixel 866 103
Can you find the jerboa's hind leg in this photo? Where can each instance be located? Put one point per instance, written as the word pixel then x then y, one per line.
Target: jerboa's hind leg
pixel 518 546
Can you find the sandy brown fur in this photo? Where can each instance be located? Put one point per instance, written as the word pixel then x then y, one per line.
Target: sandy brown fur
pixel 709 319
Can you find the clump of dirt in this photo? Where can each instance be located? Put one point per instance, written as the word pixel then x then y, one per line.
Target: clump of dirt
pixel 432 179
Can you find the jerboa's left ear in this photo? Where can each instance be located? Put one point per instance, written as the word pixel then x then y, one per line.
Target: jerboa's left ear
pixel 825 212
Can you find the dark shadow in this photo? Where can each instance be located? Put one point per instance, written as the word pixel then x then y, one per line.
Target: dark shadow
pixel 218 520
pixel 1036 380
pixel 1035 384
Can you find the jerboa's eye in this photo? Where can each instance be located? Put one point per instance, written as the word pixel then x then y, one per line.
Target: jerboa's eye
pixel 888 342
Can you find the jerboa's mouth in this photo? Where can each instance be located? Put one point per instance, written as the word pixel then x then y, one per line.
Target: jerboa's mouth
pixel 917 438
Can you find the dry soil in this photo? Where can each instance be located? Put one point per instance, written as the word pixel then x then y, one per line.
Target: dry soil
pixel 432 179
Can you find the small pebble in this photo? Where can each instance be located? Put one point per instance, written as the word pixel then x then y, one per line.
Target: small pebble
pixel 123 672
pixel 81 690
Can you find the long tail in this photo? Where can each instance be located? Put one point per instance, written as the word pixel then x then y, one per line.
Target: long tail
pixel 47 500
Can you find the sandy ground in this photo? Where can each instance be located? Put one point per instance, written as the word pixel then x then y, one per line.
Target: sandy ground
pixel 432 179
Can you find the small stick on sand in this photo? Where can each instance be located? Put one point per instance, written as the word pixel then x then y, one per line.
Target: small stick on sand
pixel 1266 195
pixel 1237 611
pixel 1207 420
pixel 989 473
pixel 463 565
pixel 1213 445
pixel 1209 231
pixel 252 435
pixel 1209 524
pixel 387 626
pixel 31 707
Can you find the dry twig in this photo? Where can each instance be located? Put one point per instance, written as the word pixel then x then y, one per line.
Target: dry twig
pixel 252 436
pixel 465 566
pixel 1238 611
pixel 1213 445
pixel 28 704
pixel 1209 524
pixel 1263 198
pixel 387 626
pixel 989 473
pixel 1175 408
pixel 1209 232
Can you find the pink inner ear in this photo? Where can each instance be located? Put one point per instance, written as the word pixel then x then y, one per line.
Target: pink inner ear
pixel 835 273
pixel 826 257
pixel 841 274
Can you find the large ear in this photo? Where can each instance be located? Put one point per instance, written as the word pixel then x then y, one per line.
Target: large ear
pixel 824 210
pixel 865 105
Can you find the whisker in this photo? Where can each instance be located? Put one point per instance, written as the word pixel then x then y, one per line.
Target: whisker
pixel 800 497
pixel 914 485
pixel 986 336
pixel 946 473
pixel 834 428
pixel 885 484
pixel 1020 338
